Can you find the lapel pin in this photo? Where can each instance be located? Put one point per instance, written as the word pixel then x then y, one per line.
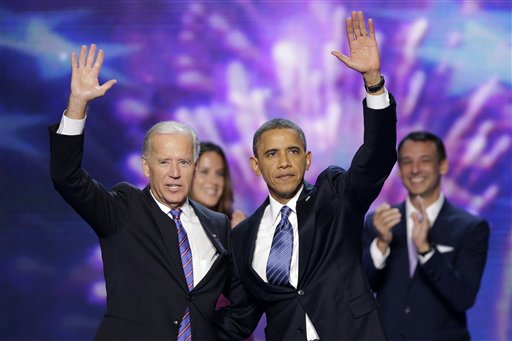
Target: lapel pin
pixel 308 197
pixel 214 235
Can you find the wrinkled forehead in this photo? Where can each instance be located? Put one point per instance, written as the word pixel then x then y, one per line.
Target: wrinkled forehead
pixel 175 143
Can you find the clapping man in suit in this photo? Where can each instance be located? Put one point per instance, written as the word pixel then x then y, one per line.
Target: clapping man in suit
pixel 299 254
pixel 166 258
pixel 424 257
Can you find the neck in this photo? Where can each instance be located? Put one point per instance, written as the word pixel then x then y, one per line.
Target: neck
pixel 427 200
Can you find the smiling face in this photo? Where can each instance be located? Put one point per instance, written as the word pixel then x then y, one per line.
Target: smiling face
pixel 169 166
pixel 420 169
pixel 208 184
pixel 282 161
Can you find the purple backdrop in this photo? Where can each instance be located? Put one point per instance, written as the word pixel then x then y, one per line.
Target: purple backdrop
pixel 225 67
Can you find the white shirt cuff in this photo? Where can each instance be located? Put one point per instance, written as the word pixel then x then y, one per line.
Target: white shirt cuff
pixel 378 102
pixel 379 259
pixel 71 126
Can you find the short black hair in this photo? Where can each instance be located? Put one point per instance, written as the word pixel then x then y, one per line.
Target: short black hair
pixel 425 136
pixel 277 123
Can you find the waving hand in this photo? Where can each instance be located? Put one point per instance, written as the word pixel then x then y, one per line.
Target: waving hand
pixel 84 81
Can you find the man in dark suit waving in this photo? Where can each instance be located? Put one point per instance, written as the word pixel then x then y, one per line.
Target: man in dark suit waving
pixel 424 257
pixel 166 258
pixel 299 254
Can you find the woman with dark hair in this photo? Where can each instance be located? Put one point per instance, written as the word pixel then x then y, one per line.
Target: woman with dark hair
pixel 212 182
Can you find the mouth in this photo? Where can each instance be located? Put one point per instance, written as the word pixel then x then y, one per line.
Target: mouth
pixel 417 180
pixel 210 191
pixel 173 187
pixel 285 177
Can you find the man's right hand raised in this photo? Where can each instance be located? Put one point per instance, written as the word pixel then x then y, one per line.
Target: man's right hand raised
pixel 84 81
pixel 384 218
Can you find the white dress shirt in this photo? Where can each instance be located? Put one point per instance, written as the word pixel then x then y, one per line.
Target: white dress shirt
pixel 379 259
pixel 204 253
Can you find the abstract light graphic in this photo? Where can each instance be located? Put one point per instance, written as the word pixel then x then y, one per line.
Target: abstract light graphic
pixel 225 67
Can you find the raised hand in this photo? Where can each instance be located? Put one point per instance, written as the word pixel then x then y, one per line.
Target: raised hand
pixel 384 219
pixel 420 226
pixel 364 51
pixel 84 81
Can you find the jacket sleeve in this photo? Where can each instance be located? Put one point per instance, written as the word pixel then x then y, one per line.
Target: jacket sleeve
pixel 376 157
pixel 98 206
pixel 238 320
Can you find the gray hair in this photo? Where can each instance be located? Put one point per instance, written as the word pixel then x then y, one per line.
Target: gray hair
pixel 167 128
pixel 277 123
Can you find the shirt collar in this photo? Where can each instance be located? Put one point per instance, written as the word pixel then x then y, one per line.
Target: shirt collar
pixel 275 206
pixel 186 209
pixel 432 210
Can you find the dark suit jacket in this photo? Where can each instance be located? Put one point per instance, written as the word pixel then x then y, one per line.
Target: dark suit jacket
pixel 147 293
pixel 432 304
pixel 332 287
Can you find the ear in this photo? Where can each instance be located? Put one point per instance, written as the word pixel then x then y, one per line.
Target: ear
pixel 444 167
pixel 308 160
pixel 145 167
pixel 399 172
pixel 255 165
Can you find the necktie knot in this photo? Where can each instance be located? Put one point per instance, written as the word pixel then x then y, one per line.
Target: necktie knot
pixel 176 214
pixel 285 212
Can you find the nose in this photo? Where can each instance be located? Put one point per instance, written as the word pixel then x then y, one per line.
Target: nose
pixel 212 178
pixel 174 171
pixel 415 167
pixel 284 161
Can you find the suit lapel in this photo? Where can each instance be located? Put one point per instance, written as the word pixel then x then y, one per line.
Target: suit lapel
pixel 401 249
pixel 253 223
pixel 168 231
pixel 306 227
pixel 209 228
pixel 439 229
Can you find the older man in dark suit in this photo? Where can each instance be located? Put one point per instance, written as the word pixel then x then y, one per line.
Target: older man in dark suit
pixel 299 254
pixel 166 258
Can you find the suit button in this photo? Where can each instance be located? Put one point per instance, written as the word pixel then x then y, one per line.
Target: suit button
pixel 407 310
pixel 175 323
pixel 300 292
pixel 190 297
pixel 300 330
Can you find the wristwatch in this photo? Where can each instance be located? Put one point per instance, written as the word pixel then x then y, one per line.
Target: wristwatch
pixel 374 88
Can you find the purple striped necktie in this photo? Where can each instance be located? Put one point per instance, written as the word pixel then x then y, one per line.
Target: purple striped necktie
pixel 185 331
pixel 279 260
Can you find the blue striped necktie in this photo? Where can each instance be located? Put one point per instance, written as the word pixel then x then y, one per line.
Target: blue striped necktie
pixel 185 331
pixel 279 260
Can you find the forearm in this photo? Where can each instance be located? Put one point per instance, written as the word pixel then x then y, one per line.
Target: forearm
pixel 238 320
pixel 375 159
pixel 94 203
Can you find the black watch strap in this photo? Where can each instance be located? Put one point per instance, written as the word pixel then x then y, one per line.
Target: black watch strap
pixel 376 87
